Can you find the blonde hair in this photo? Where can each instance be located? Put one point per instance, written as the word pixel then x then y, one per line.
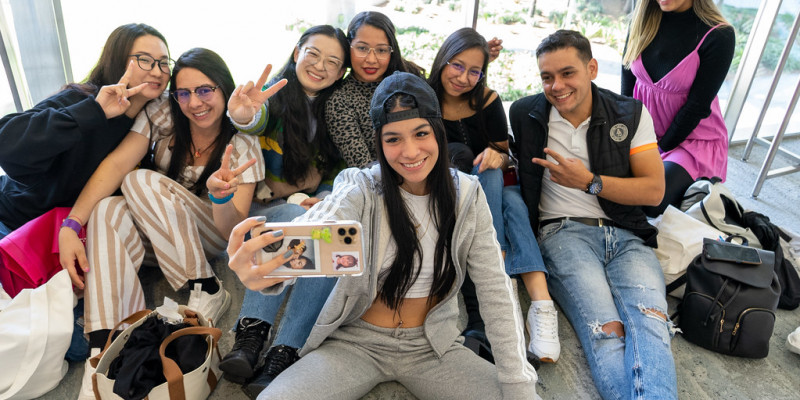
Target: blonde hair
pixel 647 19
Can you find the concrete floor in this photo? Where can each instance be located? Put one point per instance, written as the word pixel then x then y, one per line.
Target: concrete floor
pixel 701 374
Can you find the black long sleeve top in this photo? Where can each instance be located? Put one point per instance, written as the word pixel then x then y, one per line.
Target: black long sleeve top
pixel 49 152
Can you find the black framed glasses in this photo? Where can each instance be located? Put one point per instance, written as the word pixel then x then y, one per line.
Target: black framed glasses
pixel 473 74
pixel 382 52
pixel 204 93
pixel 147 63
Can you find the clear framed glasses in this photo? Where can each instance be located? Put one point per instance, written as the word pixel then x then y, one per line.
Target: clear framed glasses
pixel 204 93
pixel 147 63
pixel 382 52
pixel 313 56
pixel 474 75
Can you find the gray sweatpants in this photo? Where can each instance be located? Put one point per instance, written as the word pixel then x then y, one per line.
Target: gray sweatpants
pixel 357 357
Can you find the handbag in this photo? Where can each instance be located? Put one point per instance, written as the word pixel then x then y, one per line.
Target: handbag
pixel 731 296
pixel 29 254
pixel 195 384
pixel 36 329
pixel 709 201
pixel 680 240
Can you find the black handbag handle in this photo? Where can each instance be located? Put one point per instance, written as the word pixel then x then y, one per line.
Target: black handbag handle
pixel 745 242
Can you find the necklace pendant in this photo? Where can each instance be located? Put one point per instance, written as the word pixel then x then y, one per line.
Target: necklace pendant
pixel 196 154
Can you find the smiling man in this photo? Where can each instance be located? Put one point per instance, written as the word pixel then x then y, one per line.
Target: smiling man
pixel 588 161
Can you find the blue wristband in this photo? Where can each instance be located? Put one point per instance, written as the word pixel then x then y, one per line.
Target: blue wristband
pixel 220 201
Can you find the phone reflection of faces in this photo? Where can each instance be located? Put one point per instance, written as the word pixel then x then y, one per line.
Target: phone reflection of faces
pixel 299 262
pixel 347 261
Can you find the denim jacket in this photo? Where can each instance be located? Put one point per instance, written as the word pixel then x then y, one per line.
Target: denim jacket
pixel 357 196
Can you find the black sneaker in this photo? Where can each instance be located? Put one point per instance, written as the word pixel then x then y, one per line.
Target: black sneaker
pixel 475 340
pixel 240 362
pixel 278 358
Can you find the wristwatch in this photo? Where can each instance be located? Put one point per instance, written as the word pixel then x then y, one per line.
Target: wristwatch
pixel 595 186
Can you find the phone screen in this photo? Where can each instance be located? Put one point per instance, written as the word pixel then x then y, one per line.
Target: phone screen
pixel 742 254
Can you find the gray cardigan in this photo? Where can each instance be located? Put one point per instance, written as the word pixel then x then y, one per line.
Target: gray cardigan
pixel 357 196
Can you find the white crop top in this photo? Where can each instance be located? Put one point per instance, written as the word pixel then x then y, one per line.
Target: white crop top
pixel 427 235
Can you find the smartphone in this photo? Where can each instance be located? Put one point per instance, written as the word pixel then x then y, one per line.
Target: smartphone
pixel 732 252
pixel 331 248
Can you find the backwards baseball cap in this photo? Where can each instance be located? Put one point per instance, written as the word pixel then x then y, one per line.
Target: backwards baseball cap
pixel 410 84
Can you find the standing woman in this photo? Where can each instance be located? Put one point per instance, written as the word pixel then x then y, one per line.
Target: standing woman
pixel 677 56
pixel 477 135
pixel 181 212
pixel 424 228
pixel 374 54
pixel 300 157
pixel 49 151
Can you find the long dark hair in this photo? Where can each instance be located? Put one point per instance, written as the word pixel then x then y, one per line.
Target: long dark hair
pixel 382 22
pixel 214 67
pixel 398 278
pixel 289 108
pixel 114 58
pixel 458 42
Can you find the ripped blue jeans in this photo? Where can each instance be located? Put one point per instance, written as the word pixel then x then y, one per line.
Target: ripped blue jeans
pixel 606 275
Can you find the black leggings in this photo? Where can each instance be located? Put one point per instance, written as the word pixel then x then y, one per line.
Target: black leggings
pixel 677 181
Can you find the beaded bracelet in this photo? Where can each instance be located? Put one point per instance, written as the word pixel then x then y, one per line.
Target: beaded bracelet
pixel 220 201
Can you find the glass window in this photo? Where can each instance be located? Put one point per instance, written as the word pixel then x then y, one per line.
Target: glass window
pixel 741 16
pixel 6 98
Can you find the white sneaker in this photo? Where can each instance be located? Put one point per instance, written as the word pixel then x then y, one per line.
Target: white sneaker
pixel 543 329
pixel 211 306
pixel 87 386
pixel 793 341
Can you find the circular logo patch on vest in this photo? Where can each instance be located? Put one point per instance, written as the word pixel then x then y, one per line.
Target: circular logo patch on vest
pixel 619 132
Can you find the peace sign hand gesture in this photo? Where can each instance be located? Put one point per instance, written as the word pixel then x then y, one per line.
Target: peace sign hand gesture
pixel 247 99
pixel 569 172
pixel 113 99
pixel 223 181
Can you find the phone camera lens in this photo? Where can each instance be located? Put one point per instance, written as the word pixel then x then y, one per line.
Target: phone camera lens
pixel 352 231
pixel 348 240
pixel 342 231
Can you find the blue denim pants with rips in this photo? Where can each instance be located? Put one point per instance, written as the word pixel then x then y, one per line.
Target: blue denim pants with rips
pixel 601 275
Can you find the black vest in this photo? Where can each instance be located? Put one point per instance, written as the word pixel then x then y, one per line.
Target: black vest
pixel 609 151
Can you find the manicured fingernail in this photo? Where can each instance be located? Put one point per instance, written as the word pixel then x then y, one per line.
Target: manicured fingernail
pixel 261 218
pixel 288 254
pixel 277 233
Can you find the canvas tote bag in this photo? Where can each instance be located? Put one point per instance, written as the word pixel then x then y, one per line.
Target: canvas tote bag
pixel 35 332
pixel 196 384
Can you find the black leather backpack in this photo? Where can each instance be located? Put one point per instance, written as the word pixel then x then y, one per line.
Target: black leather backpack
pixel 730 300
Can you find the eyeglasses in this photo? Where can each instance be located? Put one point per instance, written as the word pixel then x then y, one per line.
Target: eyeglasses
pixel 204 93
pixel 382 52
pixel 147 63
pixel 473 74
pixel 313 57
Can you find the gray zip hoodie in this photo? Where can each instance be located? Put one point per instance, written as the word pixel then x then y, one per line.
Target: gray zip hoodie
pixel 357 196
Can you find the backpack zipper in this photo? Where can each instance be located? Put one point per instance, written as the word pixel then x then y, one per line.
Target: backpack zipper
pixel 745 311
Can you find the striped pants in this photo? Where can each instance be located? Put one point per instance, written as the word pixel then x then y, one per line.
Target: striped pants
pixel 156 216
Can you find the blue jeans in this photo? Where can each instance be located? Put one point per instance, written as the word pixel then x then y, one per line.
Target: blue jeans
pixel 306 297
pixel 511 223
pixel 600 275
pixel 4 230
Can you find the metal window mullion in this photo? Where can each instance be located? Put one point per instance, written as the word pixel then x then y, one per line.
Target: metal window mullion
pixel 751 57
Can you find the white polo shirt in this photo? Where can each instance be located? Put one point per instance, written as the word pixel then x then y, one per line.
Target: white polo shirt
pixel 559 201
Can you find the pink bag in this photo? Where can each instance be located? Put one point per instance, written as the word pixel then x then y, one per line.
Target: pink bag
pixel 29 255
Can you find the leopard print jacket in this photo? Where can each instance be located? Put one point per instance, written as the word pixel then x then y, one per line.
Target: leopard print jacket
pixel 349 124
